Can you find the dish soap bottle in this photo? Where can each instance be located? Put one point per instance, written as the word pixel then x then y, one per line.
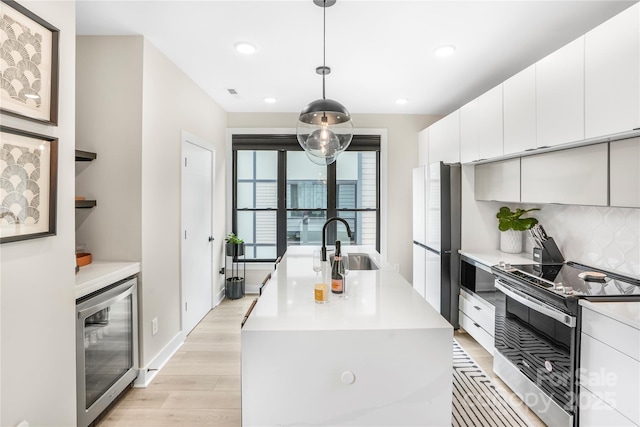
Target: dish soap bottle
pixel 337 281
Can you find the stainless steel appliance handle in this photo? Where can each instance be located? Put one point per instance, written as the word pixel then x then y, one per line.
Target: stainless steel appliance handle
pixel 536 305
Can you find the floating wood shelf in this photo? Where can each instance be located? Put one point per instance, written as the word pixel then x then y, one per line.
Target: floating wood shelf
pixel 85 204
pixel 85 156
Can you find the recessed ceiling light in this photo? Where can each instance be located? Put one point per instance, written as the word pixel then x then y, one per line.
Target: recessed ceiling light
pixel 245 47
pixel 270 100
pixel 401 101
pixel 445 50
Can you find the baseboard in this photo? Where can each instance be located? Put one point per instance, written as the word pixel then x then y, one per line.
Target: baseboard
pixel 146 375
pixel 252 289
pixel 217 299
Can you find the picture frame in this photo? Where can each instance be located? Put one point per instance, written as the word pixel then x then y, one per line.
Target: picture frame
pixel 29 68
pixel 28 185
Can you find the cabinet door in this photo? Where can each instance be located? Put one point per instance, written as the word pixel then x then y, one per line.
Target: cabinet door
pixel 490 136
pixel 469 132
pixel 498 181
pixel 624 179
pixel 611 374
pixel 419 259
pixel 560 95
pixel 576 176
pixel 444 139
pixel 418 205
pixel 612 75
pixel 519 93
pixel 423 147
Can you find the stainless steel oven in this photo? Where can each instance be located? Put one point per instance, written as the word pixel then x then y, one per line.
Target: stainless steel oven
pixel 537 331
pixel 106 347
pixel 535 353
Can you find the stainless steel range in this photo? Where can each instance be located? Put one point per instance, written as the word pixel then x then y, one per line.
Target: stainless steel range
pixel 537 330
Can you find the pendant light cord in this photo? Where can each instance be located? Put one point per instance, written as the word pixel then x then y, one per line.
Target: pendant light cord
pixel 324 44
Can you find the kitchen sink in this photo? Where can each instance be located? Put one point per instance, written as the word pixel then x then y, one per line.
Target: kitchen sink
pixel 359 261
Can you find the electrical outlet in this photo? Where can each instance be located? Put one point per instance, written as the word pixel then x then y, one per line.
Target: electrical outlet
pixel 154 326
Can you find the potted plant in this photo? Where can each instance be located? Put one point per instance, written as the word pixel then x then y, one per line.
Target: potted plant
pixel 511 224
pixel 234 245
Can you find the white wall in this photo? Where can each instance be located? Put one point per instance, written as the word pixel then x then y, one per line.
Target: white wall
pixel 146 102
pixel 172 103
pixel 401 158
pixel 37 316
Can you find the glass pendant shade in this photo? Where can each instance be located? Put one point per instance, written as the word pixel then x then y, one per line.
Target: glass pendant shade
pixel 324 129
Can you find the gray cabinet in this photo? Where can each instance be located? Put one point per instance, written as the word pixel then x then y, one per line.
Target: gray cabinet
pixel 498 181
pixel 577 176
pixel 624 181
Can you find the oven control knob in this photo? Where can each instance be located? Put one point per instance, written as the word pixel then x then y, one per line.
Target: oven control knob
pixel 568 290
pixel 558 286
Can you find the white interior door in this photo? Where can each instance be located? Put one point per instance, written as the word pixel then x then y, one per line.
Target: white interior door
pixel 197 231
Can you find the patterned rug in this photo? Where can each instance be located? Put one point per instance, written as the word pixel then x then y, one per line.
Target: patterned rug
pixel 476 402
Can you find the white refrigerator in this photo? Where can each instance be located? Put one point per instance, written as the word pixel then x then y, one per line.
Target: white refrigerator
pixel 436 236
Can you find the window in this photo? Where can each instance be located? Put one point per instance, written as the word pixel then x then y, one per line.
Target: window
pixel 281 198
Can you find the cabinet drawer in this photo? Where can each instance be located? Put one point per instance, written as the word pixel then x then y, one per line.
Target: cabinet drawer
pixel 594 412
pixel 612 375
pixel 475 330
pixel 478 312
pixel 615 334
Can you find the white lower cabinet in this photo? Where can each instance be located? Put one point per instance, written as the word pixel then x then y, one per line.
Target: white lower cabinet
pixel 478 319
pixel 609 372
pixel 498 181
pixel 577 176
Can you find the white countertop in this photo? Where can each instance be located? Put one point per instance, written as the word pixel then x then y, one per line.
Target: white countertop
pixel 99 274
pixel 493 257
pixel 378 299
pixel 625 312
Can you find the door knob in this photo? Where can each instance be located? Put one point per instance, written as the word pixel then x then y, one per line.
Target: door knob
pixel 211 239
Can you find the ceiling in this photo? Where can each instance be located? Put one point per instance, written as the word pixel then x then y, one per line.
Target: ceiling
pixel 378 51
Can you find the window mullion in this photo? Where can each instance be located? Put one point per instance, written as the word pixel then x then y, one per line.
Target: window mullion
pixel 331 200
pixel 281 220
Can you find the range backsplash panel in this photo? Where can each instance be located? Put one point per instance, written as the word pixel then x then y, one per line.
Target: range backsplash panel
pixel 604 237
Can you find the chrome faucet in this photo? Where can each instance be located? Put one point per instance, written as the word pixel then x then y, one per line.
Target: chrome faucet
pixel 324 234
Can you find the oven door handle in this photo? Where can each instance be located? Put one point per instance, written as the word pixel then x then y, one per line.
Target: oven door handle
pixel 533 304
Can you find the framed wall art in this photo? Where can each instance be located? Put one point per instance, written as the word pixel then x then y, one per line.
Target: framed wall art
pixel 28 185
pixel 28 64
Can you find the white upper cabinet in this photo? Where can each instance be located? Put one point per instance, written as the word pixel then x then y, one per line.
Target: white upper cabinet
pixel 624 158
pixel 498 181
pixel 469 132
pixel 423 147
pixel 444 139
pixel 490 136
pixel 577 176
pixel 519 94
pixel 612 75
pixel 560 95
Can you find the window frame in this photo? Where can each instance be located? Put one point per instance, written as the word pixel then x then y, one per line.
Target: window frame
pixel 282 143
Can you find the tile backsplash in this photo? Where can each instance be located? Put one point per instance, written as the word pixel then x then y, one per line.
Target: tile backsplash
pixel 604 237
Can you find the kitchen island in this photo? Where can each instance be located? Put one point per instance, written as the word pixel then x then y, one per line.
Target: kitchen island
pixel 382 357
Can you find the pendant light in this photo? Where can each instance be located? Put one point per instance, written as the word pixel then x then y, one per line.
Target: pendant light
pixel 324 128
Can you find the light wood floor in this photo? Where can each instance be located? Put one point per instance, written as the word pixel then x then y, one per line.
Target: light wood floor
pixel 200 385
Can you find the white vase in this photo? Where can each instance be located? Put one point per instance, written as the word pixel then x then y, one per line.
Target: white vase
pixel 511 241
